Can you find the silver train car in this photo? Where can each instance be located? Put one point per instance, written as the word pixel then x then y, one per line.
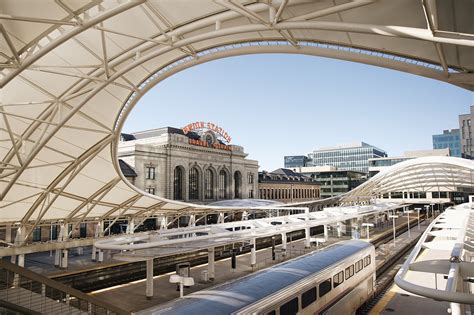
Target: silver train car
pixel 335 280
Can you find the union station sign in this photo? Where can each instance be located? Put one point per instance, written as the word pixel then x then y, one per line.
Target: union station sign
pixel 202 126
pixel 211 135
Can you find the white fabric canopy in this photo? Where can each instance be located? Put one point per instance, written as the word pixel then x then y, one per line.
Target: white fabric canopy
pixel 71 70
pixel 434 173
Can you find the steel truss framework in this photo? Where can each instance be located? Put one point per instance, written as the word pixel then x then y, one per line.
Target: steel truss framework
pixel 71 71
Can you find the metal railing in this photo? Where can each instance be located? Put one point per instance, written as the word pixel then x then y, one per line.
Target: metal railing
pixel 22 289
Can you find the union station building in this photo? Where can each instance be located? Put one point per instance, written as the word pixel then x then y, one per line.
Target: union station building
pixel 195 163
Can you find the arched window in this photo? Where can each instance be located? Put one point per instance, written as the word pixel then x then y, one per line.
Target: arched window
pixel 222 184
pixel 178 184
pixel 237 185
pixel 193 184
pixel 209 184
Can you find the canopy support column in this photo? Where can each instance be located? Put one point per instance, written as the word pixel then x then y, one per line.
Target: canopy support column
pixel 307 239
pixel 62 254
pixel 130 226
pixel 283 243
pixel 8 234
pixel 163 222
pixel 210 263
pixel 253 253
pixel 149 279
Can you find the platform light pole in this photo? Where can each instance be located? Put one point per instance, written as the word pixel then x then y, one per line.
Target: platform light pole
pixel 393 217
pixel 432 209
pixel 368 225
pixel 408 220
pixel 418 210
pixel 427 209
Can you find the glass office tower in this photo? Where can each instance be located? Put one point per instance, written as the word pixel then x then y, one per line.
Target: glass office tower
pixel 353 157
pixel 293 161
pixel 449 139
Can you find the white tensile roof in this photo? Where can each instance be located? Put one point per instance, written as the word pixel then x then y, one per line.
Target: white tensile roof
pixel 71 70
pixel 433 173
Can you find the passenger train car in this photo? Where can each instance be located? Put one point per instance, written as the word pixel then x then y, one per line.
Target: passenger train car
pixel 335 280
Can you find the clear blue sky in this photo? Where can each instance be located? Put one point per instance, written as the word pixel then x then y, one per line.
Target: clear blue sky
pixel 277 105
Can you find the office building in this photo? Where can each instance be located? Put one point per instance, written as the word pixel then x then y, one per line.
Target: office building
pixel 195 164
pixel 352 157
pixel 295 161
pixel 450 139
pixel 333 182
pixel 465 126
pixel 287 186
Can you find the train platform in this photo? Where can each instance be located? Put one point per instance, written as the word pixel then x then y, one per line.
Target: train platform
pixel 131 297
pixel 398 301
pixel 79 261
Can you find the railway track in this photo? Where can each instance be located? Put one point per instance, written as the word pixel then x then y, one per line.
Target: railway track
pixel 385 275
pixel 120 273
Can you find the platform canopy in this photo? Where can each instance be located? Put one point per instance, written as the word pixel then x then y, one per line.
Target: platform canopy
pixel 434 173
pixel 71 71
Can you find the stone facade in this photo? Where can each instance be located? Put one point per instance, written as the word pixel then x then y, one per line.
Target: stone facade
pixel 287 186
pixel 182 167
pixel 289 192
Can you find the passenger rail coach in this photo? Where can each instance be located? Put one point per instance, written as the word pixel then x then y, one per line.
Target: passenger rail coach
pixel 335 280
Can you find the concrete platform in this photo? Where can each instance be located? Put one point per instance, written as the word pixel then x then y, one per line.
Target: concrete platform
pixel 44 262
pixel 398 301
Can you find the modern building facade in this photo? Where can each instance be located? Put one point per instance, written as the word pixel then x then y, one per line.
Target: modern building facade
pixel 295 161
pixel 196 166
pixel 465 126
pixel 378 164
pixel 450 139
pixel 333 182
pixel 287 186
pixel 352 157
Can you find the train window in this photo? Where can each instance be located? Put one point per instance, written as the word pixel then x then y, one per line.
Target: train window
pixel 338 279
pixel 366 261
pixel 359 265
pixel 272 313
pixel 308 297
pixel 324 287
pixel 289 308
pixel 349 271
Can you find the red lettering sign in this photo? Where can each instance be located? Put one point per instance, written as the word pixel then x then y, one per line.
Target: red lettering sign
pixel 201 143
pixel 207 125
